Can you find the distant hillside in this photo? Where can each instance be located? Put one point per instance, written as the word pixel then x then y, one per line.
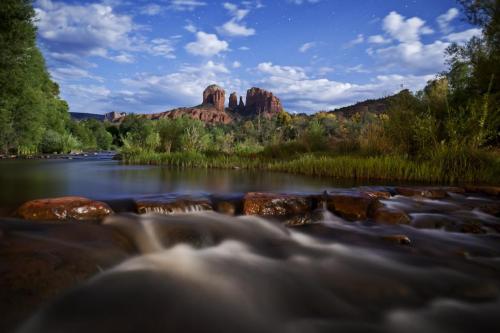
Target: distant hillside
pixel 85 116
pixel 375 106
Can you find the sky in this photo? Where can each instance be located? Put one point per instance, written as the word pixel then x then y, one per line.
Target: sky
pixel 141 56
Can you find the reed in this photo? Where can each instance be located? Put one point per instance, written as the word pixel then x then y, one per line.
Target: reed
pixel 387 168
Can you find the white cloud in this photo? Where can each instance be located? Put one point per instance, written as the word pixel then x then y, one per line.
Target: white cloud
pixel 190 27
pixel 300 2
pixel 207 45
pixel 71 73
pixel 238 13
pixel 358 40
pixel 77 32
pixel 414 56
pixel 162 47
pixel 405 30
pixel 82 29
pixel 181 88
pixel 186 5
pixel 151 10
pixel 307 46
pixel 378 39
pixel 235 27
pixel 244 48
pixel 292 73
pixel 236 64
pixel 357 69
pixel 464 36
pixel 445 20
pixel 124 58
pixel 300 93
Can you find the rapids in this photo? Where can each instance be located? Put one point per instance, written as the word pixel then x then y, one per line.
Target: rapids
pixel 207 272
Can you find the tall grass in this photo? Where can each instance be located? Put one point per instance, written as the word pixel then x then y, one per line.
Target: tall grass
pixel 442 169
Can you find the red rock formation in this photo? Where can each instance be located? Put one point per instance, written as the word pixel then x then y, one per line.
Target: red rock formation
pixel 263 102
pixel 233 101
pixel 241 106
pixel 214 95
pixel 205 113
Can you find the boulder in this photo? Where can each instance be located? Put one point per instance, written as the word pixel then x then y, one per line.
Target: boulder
pixel 262 102
pixel 352 206
pixel 64 208
pixel 387 215
pixel 269 204
pixel 214 95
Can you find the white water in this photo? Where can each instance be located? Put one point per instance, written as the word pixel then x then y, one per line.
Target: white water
pixel 211 273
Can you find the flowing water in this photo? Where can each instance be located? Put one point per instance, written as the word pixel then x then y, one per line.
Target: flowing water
pixel 207 272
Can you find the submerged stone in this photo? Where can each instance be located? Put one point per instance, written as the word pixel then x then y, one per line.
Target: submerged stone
pixel 390 216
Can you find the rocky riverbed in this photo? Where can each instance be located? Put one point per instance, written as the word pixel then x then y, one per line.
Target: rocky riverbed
pixel 367 259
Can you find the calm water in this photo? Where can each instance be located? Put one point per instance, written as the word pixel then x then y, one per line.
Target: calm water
pixel 103 178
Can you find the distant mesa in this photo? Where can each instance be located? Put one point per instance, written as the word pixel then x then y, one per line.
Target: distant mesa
pixel 212 110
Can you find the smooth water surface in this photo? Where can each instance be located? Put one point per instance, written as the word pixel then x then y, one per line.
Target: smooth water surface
pixel 103 178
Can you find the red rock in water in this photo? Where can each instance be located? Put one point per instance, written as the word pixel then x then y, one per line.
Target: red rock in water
pixel 64 208
pixel 233 101
pixel 269 204
pixel 352 206
pixel 387 215
pixel 263 102
pixel 216 96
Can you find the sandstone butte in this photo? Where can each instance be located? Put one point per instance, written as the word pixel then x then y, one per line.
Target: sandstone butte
pixel 212 110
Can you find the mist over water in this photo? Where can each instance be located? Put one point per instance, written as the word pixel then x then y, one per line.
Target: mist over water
pixel 207 272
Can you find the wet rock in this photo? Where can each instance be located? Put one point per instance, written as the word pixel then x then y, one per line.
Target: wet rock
pixel 390 216
pixel 304 219
pixel 64 208
pixel 172 206
pixel 378 194
pixel 434 221
pixel 397 239
pixel 226 207
pixel 352 206
pixel 427 192
pixel 269 204
pixel 490 190
pixel 39 261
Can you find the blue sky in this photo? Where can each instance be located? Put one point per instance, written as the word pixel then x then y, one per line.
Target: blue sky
pixel 150 56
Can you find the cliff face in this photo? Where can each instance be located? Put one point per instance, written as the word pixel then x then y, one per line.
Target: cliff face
pixel 216 96
pixel 262 102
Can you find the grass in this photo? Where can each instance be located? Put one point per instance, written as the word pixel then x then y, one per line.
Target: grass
pixel 387 168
